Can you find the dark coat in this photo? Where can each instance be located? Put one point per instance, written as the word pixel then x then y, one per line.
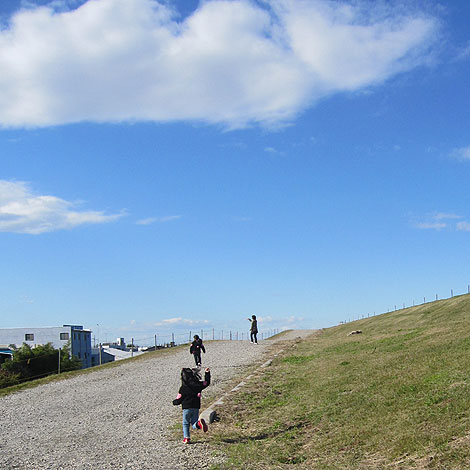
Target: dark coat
pixel 196 347
pixel 189 394
pixel 254 326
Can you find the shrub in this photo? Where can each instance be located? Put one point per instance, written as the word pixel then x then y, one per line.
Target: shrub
pixel 8 379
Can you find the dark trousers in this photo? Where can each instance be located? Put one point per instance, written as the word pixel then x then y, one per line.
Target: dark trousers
pixel 253 337
pixel 197 359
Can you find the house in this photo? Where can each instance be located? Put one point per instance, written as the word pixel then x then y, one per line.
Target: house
pixel 100 357
pixel 58 336
pixel 119 350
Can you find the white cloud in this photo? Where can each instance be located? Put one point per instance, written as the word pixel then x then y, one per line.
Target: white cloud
pixel 22 211
pixel 152 220
pixel 463 226
pixel 437 221
pixel 446 215
pixel 230 62
pixel 463 53
pixel 431 225
pixel 179 321
pixel 270 150
pixel 461 153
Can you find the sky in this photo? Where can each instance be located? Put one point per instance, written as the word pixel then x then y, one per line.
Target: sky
pixel 176 166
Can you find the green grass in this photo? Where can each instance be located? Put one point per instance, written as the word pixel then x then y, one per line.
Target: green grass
pixel 396 396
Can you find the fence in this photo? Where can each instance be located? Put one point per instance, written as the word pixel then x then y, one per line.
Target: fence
pixel 173 339
pixel 414 304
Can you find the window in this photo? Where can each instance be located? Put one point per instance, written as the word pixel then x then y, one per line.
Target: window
pixel 64 336
pixel 29 337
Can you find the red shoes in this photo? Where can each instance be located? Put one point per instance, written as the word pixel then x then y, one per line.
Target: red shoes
pixel 201 424
pixel 186 440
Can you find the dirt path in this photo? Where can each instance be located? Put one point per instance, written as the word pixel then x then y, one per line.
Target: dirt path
pixel 117 417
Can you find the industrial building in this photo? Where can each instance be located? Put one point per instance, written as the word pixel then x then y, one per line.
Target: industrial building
pixel 58 336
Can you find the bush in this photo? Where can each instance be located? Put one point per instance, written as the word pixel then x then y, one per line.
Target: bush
pixel 32 363
pixel 7 379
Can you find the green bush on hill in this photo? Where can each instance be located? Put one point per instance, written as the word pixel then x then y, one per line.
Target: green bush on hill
pixel 32 363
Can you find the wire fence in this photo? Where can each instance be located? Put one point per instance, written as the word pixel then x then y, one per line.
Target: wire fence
pixel 403 305
pixel 168 339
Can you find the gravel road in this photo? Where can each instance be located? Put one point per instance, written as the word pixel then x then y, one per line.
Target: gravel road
pixel 119 417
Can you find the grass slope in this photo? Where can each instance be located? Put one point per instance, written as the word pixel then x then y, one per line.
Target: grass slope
pixel 396 396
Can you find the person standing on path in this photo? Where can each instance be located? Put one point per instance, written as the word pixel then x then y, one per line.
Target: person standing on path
pixel 195 348
pixel 253 329
pixel 189 396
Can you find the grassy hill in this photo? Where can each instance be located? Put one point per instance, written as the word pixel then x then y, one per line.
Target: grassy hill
pixel 395 396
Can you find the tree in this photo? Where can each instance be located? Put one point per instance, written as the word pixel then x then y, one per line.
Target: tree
pixel 67 360
pixel 32 363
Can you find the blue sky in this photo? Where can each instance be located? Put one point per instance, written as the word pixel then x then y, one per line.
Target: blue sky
pixel 172 166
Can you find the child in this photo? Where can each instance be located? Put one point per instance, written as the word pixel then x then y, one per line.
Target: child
pixel 195 349
pixel 253 329
pixel 189 396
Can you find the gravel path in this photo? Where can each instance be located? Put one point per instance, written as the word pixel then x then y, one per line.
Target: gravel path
pixel 118 417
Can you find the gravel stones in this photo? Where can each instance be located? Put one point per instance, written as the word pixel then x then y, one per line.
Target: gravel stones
pixel 118 417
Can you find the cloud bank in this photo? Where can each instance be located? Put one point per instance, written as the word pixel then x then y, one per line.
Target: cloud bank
pixel 231 62
pixel 440 221
pixel 21 211
pixel 461 153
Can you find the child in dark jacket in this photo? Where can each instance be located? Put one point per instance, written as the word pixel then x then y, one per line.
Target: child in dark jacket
pixel 196 348
pixel 189 396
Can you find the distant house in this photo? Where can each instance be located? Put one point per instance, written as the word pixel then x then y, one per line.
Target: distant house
pixel 119 350
pixel 58 336
pixel 97 360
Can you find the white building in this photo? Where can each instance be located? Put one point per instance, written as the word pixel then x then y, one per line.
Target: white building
pixel 58 336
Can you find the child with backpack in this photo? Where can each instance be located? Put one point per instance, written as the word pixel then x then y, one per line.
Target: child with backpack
pixel 196 348
pixel 189 396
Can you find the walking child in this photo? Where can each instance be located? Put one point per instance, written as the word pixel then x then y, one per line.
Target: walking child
pixel 253 329
pixel 195 348
pixel 189 396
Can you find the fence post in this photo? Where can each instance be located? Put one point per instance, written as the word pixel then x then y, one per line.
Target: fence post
pixel 132 349
pixel 58 370
pixel 173 339
pixel 230 335
pixel 452 292
pixel 202 334
pixel 189 335
pixel 155 342
pixel 213 334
